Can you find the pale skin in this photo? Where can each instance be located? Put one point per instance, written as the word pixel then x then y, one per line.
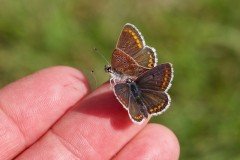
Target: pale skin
pixel 51 114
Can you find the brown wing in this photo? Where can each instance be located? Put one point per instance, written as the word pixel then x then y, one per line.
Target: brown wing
pixel 156 102
pixel 158 78
pixel 123 64
pixel 122 92
pixel 132 43
pixel 130 40
pixel 146 57
pixel 134 111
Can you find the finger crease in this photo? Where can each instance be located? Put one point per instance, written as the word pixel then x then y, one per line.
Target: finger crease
pixel 21 133
pixel 73 148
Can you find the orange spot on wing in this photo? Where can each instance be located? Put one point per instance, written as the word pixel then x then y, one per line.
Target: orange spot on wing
pixel 150 60
pixel 138 117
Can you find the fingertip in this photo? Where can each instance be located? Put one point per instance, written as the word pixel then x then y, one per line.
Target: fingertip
pixel 57 75
pixel 64 74
pixel 153 142
pixel 170 148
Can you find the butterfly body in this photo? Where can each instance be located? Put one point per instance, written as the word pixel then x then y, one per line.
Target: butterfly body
pixel 135 92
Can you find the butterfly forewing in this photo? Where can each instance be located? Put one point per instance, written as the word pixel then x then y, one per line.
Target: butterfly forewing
pixel 132 43
pixel 130 40
pixel 158 78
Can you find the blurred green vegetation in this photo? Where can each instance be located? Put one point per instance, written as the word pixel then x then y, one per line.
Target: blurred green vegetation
pixel 200 38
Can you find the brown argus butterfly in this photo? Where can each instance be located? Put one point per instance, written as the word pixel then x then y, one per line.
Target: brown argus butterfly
pixel 139 85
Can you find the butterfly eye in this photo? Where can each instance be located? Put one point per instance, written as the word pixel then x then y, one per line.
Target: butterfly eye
pixel 128 81
pixel 107 68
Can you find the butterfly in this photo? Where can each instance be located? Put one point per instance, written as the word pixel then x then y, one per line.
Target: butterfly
pixel 146 95
pixel 131 57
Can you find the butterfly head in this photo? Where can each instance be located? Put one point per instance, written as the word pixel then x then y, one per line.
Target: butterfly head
pixel 108 68
pixel 129 81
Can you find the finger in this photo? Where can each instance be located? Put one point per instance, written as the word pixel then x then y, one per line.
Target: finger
pixel 153 142
pixel 96 129
pixel 28 107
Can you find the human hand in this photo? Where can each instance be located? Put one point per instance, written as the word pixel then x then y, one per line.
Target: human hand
pixel 51 115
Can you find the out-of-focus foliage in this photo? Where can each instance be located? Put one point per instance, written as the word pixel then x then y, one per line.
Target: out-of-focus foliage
pixel 200 38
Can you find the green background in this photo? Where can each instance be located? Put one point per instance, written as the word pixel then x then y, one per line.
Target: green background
pixel 200 38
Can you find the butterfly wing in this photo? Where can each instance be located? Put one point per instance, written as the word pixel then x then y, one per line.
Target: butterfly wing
pixel 124 96
pixel 153 85
pixel 123 64
pixel 146 57
pixel 122 92
pixel 158 78
pixel 132 43
pixel 156 102
pixel 134 111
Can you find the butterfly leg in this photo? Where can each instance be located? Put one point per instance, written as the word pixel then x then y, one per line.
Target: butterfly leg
pixel 112 82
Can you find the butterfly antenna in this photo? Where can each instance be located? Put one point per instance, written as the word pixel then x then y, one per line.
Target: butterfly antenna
pixel 96 50
pixel 94 77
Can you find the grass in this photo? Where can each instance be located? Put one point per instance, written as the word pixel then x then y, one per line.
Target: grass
pixel 200 38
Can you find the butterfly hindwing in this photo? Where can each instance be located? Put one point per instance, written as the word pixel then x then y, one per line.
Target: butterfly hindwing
pixel 134 110
pixel 155 101
pixel 146 57
pixel 122 93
